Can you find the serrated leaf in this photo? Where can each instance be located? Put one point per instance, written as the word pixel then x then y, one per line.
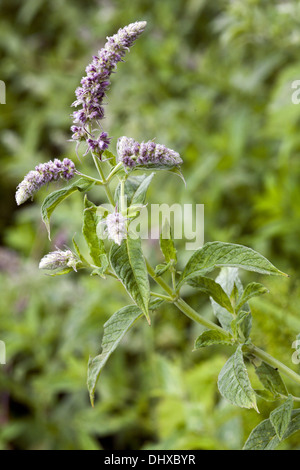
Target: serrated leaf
pixel 213 289
pixel 227 278
pixel 89 230
pixel 210 337
pixel 55 198
pixel 232 285
pixel 128 262
pixel 253 289
pixel 217 254
pixel 271 379
pixel 167 244
pixel 161 269
pixel 234 383
pixel 264 436
pixel 242 323
pixel 281 417
pixel 114 330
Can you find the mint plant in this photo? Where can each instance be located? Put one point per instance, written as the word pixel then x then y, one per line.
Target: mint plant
pixel 121 255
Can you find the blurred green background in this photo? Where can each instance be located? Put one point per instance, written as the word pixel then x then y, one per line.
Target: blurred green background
pixel 211 80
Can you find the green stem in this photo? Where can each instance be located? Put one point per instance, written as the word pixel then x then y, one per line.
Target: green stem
pixel 103 179
pixel 195 316
pixel 90 178
pixel 161 296
pixel 122 195
pixel 114 171
pixel 274 362
pixel 182 305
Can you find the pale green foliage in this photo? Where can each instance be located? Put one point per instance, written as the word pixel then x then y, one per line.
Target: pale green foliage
pixel 264 436
pixel 210 337
pixel 128 262
pixel 281 416
pixel 181 391
pixel 234 383
pixel 114 330
pixel 89 230
pixel 55 198
pixel 271 379
pixel 218 254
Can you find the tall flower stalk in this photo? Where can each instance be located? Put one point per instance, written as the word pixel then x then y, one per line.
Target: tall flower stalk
pixel 92 92
pixel 122 256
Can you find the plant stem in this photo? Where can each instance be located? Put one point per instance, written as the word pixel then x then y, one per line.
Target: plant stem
pixel 186 308
pixel 195 316
pixel 90 178
pixel 114 171
pixel 274 362
pixel 104 181
pixel 182 305
pixel 161 296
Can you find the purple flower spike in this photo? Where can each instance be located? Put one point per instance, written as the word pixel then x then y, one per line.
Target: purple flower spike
pixel 43 174
pixel 100 144
pixel 94 85
pixel 146 154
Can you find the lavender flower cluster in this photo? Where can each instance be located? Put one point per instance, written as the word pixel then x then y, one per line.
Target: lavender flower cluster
pixel 43 174
pixel 133 153
pixel 59 260
pixel 116 227
pixel 94 85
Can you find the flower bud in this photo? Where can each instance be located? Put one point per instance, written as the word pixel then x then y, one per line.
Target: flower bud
pixel 146 154
pixel 116 227
pixel 59 261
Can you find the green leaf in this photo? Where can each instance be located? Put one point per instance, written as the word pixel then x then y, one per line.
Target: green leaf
pixel 178 172
pixel 110 157
pixel 161 269
pixel 264 436
pixel 253 289
pixel 128 262
pixel 217 254
pixel 265 395
pixel 167 244
pixel 227 279
pixel 271 379
pixel 213 289
pixel 234 383
pixel 114 330
pixel 135 189
pixel 210 337
pixel 281 417
pixel 242 323
pixel 55 198
pixel 89 230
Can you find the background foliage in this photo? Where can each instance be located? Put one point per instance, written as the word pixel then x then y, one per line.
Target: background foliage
pixel 213 81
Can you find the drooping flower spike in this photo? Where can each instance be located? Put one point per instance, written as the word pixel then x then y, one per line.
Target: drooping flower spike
pixel 94 85
pixel 43 174
pixel 146 154
pixel 59 260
